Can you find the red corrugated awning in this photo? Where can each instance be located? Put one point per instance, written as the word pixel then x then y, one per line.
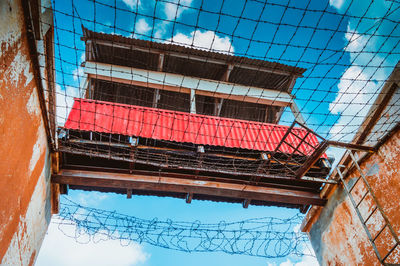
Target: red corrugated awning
pixel 160 124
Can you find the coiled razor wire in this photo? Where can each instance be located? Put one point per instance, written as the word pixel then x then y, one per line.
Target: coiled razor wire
pixel 266 237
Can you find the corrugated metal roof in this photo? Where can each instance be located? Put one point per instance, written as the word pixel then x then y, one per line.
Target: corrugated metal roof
pixel 160 124
pixel 169 47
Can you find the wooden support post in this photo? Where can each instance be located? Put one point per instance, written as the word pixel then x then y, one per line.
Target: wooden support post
pixel 160 67
pixel 200 151
pixel 133 145
pixel 189 197
pixel 55 198
pixel 129 193
pixel 55 188
pixel 192 101
pixel 64 189
pixel 160 62
pixel 227 73
pixel 156 98
pixel 218 106
pixel 264 160
pixel 88 51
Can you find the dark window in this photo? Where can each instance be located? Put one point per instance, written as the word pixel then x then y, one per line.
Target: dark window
pixel 175 101
pixel 243 110
pixel 123 93
pixel 206 105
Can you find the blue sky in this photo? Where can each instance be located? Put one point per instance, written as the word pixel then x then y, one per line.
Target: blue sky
pixel 348 48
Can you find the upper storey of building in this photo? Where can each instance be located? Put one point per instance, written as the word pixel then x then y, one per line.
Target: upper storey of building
pixel 181 78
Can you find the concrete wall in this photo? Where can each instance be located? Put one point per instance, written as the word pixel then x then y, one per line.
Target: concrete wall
pixel 336 232
pixel 24 151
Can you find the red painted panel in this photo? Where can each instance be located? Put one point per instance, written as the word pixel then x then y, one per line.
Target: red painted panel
pixel 145 122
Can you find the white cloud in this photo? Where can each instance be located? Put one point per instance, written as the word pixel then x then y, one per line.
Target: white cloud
pixel 355 87
pixel 77 73
pixel 161 29
pixel 92 198
pixel 59 249
pixel 83 57
pixel 358 86
pixel 355 41
pixel 305 261
pixel 336 3
pixel 175 8
pixel 206 40
pixel 142 27
pixel 131 3
pixel 308 259
pixel 64 102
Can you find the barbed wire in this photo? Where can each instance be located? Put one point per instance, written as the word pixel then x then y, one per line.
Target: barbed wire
pixel 267 237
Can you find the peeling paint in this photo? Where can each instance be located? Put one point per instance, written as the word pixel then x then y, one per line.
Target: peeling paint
pixel 11 33
pixel 338 237
pixel 33 103
pixel 38 148
pixel 24 158
pixel 372 170
pixel 32 227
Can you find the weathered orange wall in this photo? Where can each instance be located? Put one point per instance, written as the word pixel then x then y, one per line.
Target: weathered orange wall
pixel 24 156
pixel 338 237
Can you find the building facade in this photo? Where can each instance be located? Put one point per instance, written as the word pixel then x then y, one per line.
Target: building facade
pixel 25 164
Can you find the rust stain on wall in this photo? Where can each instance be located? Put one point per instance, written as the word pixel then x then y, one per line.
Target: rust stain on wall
pixel 338 236
pixel 23 151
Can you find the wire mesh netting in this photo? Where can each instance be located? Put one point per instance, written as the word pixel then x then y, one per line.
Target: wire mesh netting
pixel 179 74
pixel 266 237
pixel 244 91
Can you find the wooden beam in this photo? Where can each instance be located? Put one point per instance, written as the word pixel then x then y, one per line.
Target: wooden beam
pixel 185 84
pixel 312 159
pixel 169 184
pixel 350 146
pixel 104 143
